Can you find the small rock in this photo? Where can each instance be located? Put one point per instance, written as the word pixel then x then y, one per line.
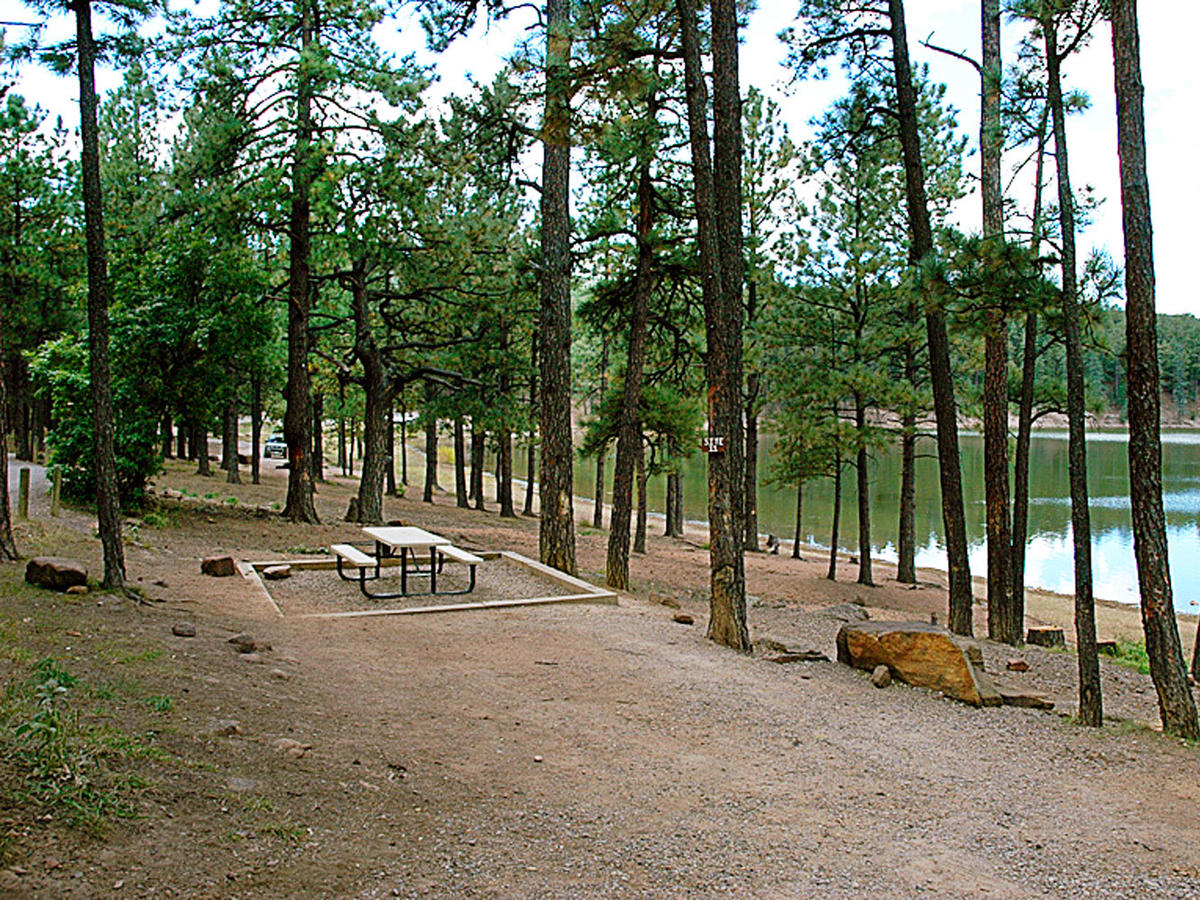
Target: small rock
pixel 279 674
pixel 791 656
pixel 218 566
pixel 277 573
pixel 290 747
pixel 55 572
pixel 684 619
pixel 159 583
pixel 76 590
pixel 183 629
pixel 881 677
pixel 665 600
pixel 250 657
pixel 245 643
pixel 1109 648
pixel 537 759
pixel 1016 664
pixel 226 728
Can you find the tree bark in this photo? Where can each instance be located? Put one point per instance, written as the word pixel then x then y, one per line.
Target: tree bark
pixel 1005 623
pixel 297 418
pixel 941 377
pixel 404 441
pixel 864 497
pixel 598 508
pixel 717 186
pixel 460 465
pixel 1091 709
pixel 108 501
pixel 181 442
pixel 1175 701
pixel 629 431
pixel 556 528
pixel 672 527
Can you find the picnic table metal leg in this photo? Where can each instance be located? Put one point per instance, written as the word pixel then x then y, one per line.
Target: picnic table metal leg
pixel 433 570
pixel 403 570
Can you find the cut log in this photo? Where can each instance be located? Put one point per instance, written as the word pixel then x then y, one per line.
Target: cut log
pixel 921 655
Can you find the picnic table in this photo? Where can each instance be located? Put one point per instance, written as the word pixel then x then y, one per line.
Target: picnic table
pixel 402 542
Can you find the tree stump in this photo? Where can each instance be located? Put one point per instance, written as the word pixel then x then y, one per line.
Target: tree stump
pixel 1045 636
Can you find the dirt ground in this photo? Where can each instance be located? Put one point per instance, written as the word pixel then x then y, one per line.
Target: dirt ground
pixel 570 751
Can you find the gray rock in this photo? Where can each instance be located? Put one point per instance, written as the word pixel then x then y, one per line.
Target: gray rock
pixel 183 629
pixel 77 590
pixel 881 677
pixel 55 572
pixel 277 573
pixel 219 566
pixel 847 612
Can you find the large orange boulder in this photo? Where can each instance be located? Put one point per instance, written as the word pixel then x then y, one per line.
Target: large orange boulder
pixel 921 655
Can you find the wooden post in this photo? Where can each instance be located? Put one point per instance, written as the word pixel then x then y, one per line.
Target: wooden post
pixel 56 491
pixel 23 494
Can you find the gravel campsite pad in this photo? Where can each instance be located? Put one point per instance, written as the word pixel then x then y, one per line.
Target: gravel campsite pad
pixel 317 591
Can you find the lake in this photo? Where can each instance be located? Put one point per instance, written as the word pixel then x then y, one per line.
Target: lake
pixel 1048 557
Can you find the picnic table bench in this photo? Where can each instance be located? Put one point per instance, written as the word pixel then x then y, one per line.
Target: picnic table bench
pixel 399 542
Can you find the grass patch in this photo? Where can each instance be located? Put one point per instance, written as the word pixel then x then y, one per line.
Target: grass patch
pixel 1132 655
pixel 62 766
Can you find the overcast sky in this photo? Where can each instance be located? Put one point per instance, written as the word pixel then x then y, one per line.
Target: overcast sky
pixel 1172 88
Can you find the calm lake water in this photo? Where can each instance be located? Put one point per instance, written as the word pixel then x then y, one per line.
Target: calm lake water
pixel 1049 555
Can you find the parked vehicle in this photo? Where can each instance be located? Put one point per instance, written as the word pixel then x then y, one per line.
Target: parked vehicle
pixel 275 447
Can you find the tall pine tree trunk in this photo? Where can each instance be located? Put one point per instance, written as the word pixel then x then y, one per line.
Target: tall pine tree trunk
pixel 920 247
pixel 1175 701
pixel 906 542
pixel 256 420
pixel 629 432
pixel 108 501
pixel 556 528
pixel 297 417
pixel 318 437
pixel 639 532
pixel 200 448
pixel 478 447
pixel 431 456
pixel 504 485
pixel 8 546
pixel 460 464
pixel 864 496
pixel 377 403
pixel 750 487
pixel 230 440
pixel 834 525
pixel 598 493
pixel 718 216
pixel 1020 507
pixel 1091 709
pixel 531 447
pixel 1005 619
pixel 799 520
pixel 389 468
pixel 167 436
